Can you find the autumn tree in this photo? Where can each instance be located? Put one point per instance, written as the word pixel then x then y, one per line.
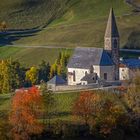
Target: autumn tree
pixel 32 75
pixel 53 70
pixel 109 115
pixel 44 71
pixel 132 96
pixel 9 76
pixel 25 108
pixel 87 106
pixel 5 76
pixel 3 26
pixel 49 101
pixel 59 67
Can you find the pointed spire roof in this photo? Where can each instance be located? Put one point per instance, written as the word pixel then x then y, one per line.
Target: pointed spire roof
pixel 111 30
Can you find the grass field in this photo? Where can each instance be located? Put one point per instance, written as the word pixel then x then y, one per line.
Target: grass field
pixel 62 109
pixel 77 22
pixel 63 102
pixel 31 56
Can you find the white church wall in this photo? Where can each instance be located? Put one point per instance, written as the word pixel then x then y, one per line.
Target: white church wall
pixel 109 70
pixel 97 70
pixel 124 73
pixel 79 74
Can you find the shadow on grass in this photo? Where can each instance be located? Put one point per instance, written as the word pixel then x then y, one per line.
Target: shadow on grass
pixel 8 37
pixel 3 114
pixel 59 114
pixel 3 100
pixel 133 41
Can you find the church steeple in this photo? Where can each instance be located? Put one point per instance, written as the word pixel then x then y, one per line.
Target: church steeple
pixel 112 42
pixel 111 29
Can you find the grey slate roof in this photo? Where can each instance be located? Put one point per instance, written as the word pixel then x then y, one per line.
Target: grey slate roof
pixel 86 57
pixel 111 30
pixel 131 63
pixel 57 80
pixel 90 78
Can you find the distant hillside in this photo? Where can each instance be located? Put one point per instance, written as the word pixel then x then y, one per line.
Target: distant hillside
pixel 68 23
pixel 30 13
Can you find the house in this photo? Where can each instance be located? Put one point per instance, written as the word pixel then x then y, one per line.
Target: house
pixel 89 65
pixel 128 68
pixel 55 81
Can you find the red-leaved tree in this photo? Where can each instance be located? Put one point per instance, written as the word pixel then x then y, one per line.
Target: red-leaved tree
pixel 26 105
pixel 86 106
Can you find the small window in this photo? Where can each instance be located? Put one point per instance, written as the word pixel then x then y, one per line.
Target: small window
pixel 74 76
pixel 105 76
pixel 91 69
pixel 123 77
pixel 85 72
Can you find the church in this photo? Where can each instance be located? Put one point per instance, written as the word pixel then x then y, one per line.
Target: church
pixel 89 65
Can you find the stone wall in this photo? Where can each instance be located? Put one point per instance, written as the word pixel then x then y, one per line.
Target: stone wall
pixel 74 87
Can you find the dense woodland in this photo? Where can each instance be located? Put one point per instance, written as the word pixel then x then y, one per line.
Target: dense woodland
pixel 14 76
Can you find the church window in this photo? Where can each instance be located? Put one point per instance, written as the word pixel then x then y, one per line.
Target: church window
pixel 91 69
pixel 74 76
pixel 105 76
pixel 85 72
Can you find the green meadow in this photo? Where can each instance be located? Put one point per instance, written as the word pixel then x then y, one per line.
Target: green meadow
pixel 68 23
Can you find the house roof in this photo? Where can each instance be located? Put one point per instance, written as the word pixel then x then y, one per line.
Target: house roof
pixel 90 78
pixel 131 63
pixel 111 29
pixel 86 57
pixel 57 80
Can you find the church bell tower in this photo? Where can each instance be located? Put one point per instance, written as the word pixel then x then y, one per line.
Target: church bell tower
pixel 112 42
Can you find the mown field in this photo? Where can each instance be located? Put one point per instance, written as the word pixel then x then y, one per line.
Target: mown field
pixel 68 23
pixel 62 109
pixel 31 56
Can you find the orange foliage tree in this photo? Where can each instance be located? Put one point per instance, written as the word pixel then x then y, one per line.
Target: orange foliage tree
pixel 86 106
pixel 26 105
pixel 110 114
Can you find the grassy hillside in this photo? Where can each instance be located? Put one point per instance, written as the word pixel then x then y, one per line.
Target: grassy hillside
pixel 31 56
pixel 30 13
pixel 67 23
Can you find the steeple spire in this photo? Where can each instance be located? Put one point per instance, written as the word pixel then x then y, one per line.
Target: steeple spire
pixel 112 42
pixel 111 30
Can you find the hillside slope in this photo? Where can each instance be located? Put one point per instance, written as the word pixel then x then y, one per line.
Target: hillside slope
pixel 69 22
pixel 30 13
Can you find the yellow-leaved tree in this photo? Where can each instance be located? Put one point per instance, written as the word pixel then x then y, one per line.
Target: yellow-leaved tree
pixel 32 75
